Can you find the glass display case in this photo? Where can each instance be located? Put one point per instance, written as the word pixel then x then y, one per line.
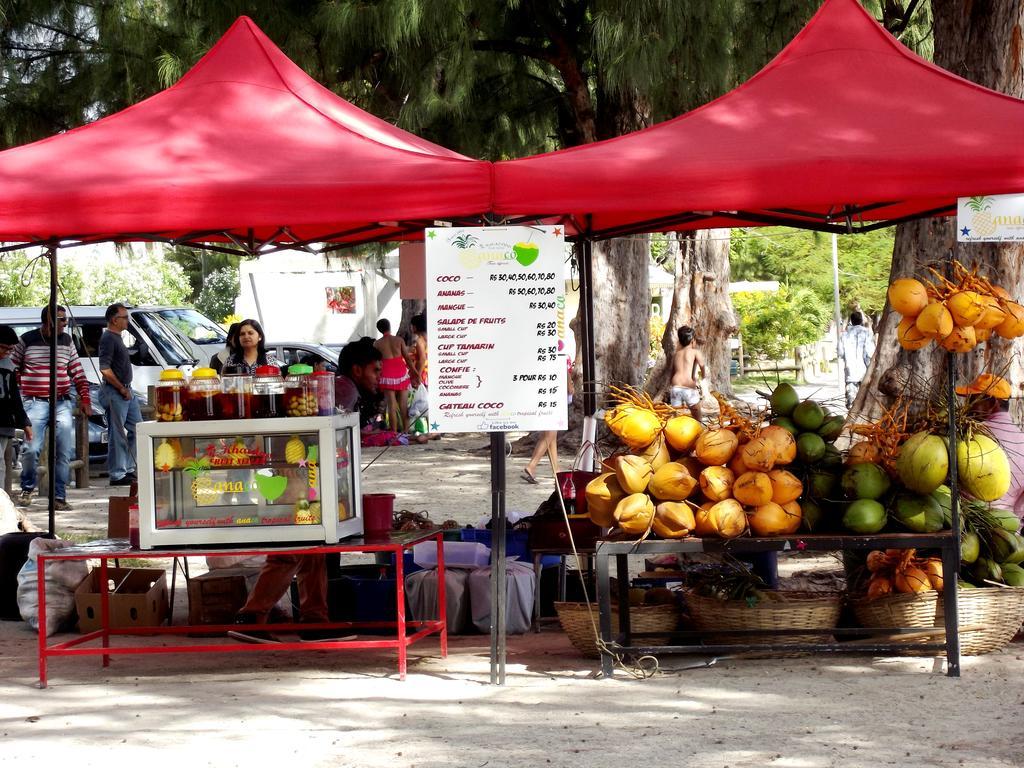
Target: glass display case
pixel 249 481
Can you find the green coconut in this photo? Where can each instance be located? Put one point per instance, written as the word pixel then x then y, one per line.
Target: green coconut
pixel 1005 546
pixel 832 458
pixel 923 462
pixel 822 484
pixel 831 428
pixel 1013 575
pixel 787 424
pixel 810 447
pixel 784 399
pixel 864 516
pixel 983 467
pixel 970 547
pixel 865 481
pixel 1005 519
pixel 986 569
pixel 808 415
pixel 944 496
pixel 921 514
pixel 811 514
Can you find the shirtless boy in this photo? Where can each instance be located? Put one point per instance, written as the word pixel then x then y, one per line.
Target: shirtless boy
pixel 686 360
pixel 394 376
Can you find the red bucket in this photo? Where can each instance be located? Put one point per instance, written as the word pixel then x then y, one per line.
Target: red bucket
pixel 580 478
pixel 378 513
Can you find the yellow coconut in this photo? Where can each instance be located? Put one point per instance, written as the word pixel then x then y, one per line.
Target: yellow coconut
pixel 863 453
pixel 728 518
pixel 759 454
pixel 965 307
pixel 983 467
pixel 912 579
pixel 1013 325
pixel 935 321
pixel 716 446
pixel 635 513
pixel 702 524
pixel 633 473
pixel 752 489
pixel 772 519
pixel 716 483
pixel 786 486
pixel 682 432
pixel 908 296
pixel 672 482
pixel 636 427
pixel 784 442
pixel 982 335
pixel 736 463
pixel 694 467
pixel 603 494
pixel 673 520
pixel 909 336
pixel 993 316
pixel 960 340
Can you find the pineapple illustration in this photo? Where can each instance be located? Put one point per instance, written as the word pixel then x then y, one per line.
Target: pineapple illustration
pixel 981 222
pixel 237 453
pixel 294 450
pixel 166 456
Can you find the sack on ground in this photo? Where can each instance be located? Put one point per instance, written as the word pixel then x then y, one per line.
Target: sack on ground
pixel 62 577
pixel 419 404
pixel 520 583
pixel 421 592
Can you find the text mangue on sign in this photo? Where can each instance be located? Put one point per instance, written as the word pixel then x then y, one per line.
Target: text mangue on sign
pixel 496 328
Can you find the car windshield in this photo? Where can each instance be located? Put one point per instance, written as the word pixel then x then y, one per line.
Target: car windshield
pixel 164 339
pixel 194 325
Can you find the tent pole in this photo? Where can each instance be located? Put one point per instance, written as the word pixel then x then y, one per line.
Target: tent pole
pixel 838 312
pixel 51 459
pixel 949 594
pixel 499 587
pixel 587 327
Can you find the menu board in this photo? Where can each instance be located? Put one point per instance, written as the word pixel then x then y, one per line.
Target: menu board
pixel 496 328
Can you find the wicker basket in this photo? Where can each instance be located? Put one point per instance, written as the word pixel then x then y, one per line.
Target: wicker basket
pixel 576 622
pixel 780 610
pixel 988 617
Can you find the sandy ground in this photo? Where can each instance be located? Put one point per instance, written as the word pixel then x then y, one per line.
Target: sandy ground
pixel 350 709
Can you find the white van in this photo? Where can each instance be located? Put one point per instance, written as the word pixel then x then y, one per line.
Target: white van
pixel 203 336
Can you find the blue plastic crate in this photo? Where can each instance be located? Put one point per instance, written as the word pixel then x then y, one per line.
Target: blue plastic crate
pixel 516 544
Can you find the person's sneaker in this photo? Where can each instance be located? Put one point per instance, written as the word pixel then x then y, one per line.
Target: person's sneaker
pixel 126 480
pixel 251 635
pixel 61 505
pixel 25 499
pixel 324 635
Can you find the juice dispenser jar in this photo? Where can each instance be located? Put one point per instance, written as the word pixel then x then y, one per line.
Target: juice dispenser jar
pixel 323 382
pixel 171 395
pixel 299 391
pixel 235 398
pixel 203 392
pixel 268 393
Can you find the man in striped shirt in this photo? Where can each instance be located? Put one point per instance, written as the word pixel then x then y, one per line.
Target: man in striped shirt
pixel 31 358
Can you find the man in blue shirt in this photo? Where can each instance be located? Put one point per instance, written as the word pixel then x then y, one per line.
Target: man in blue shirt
pixel 120 405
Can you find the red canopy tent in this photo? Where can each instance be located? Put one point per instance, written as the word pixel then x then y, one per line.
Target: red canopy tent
pixel 245 146
pixel 844 126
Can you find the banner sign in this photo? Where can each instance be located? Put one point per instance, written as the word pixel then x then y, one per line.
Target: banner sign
pixel 496 328
pixel 993 218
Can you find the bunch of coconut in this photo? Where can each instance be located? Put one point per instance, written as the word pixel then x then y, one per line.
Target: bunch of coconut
pixel 991 547
pixel 813 427
pixel 712 482
pixel 958 314
pixel 899 570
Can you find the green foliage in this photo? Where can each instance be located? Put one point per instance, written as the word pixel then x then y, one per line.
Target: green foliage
pixel 655 329
pixel 772 324
pixel 801 259
pixel 25 280
pixel 139 279
pixel 217 299
pixel 197 265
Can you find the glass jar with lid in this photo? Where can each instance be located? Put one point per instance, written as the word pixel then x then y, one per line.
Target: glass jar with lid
pixel 170 397
pixel 323 382
pixel 300 391
pixel 203 391
pixel 234 400
pixel 268 393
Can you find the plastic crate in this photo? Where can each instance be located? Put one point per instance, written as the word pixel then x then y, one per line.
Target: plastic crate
pixel 516 542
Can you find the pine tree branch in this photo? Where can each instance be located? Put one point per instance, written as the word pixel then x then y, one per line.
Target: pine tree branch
pixel 516 49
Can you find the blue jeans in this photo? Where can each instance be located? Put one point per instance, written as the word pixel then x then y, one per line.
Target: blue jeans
pixel 122 416
pixel 38 410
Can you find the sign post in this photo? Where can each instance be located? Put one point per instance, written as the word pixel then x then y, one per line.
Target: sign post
pixel 496 345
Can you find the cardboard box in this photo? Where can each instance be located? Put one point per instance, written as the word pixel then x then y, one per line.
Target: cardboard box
pixel 138 598
pixel 215 597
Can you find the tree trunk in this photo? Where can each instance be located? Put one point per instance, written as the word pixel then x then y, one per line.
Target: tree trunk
pixel 410 308
pixel 700 299
pixel 982 42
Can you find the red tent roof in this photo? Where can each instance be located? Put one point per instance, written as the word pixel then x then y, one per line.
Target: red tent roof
pixel 843 120
pixel 246 143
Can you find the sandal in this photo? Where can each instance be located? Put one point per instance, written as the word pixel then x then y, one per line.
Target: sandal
pixel 528 477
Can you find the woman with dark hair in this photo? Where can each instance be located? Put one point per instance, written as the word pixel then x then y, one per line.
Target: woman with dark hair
pixel 230 346
pixel 251 351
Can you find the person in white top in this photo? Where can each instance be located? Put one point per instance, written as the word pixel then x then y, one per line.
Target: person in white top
pixel 858 345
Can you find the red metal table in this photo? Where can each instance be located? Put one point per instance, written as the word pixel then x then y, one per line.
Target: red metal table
pixel 396 545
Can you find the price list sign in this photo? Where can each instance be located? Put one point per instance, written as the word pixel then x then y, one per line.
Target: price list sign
pixel 496 328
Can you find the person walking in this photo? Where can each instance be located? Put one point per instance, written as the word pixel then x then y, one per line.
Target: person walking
pixel 118 400
pixel 394 376
pixel 686 361
pixel 547 442
pixel 12 409
pixel 858 345
pixel 31 359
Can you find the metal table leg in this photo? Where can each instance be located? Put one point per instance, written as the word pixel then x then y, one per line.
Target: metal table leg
pixel 950 568
pixel 604 604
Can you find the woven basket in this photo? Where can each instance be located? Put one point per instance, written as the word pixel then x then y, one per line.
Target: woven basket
pixel 576 622
pixel 988 617
pixel 780 610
